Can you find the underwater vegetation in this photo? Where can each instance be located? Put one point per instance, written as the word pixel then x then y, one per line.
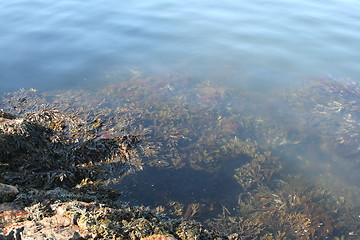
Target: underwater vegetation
pixel 329 104
pixel 87 152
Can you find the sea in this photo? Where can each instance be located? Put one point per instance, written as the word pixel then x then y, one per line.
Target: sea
pixel 259 49
pixel 257 45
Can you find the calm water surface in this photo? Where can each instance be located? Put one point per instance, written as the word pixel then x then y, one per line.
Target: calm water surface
pixel 250 44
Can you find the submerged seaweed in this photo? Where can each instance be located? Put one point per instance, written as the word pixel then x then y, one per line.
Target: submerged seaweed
pixel 212 136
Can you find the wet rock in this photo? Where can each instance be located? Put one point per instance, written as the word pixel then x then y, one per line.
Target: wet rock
pixel 80 220
pixel 10 215
pixel 7 192
pixel 13 234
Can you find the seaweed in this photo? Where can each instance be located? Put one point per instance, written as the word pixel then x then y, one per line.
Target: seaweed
pixel 85 146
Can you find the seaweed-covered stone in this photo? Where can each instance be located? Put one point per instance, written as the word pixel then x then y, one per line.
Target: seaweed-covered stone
pixel 7 192
pixel 80 220
pixel 48 149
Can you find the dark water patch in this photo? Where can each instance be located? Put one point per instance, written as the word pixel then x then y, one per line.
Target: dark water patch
pixel 160 186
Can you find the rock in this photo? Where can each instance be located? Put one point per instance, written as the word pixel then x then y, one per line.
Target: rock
pixel 7 193
pixel 159 237
pixel 13 234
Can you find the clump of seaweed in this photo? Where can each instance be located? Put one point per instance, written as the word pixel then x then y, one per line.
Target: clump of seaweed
pixel 49 149
pixel 258 171
pixel 291 209
pixel 38 153
pixel 332 106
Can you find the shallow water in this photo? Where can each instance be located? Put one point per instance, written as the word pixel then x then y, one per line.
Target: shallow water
pixel 249 44
pixel 254 47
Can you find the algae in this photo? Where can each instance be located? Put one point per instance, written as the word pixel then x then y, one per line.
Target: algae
pixel 84 152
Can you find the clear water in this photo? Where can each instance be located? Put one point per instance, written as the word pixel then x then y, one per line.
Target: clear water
pixel 257 46
pixel 249 44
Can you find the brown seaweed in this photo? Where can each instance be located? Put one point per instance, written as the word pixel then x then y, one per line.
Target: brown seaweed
pixel 83 141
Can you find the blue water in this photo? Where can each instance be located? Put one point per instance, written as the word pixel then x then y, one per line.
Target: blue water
pixel 257 44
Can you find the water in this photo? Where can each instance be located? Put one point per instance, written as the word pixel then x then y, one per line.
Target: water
pixel 248 44
pixel 252 46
